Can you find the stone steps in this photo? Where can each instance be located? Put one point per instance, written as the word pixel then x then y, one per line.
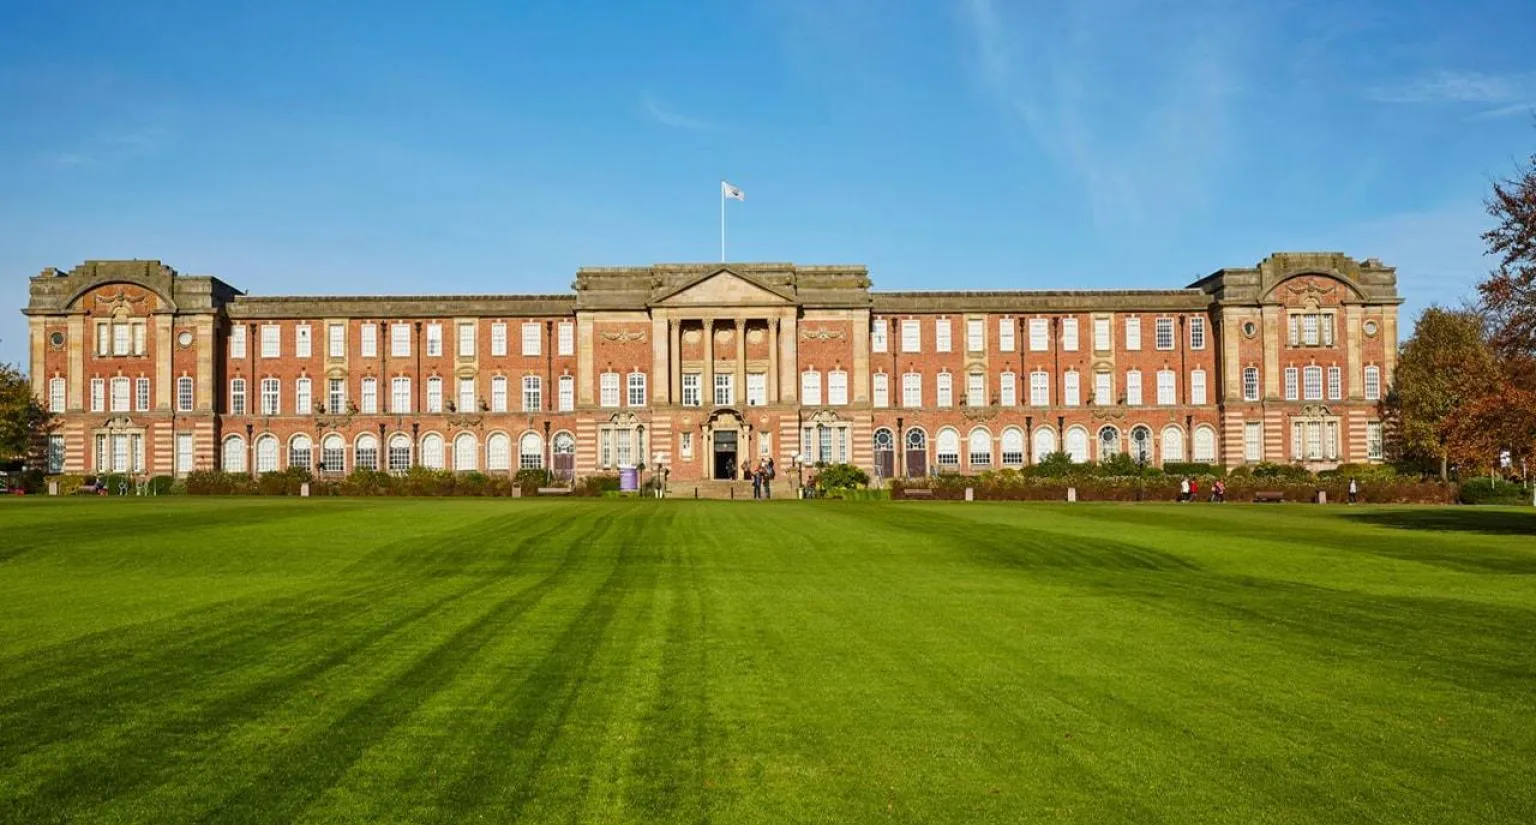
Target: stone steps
pixel 721 490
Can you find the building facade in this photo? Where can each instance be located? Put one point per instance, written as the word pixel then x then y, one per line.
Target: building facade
pixel 699 368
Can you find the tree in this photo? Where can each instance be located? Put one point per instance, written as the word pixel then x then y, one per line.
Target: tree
pixel 24 422
pixel 1446 367
pixel 1509 293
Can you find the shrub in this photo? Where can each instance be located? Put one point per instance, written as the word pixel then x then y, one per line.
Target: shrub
pixel 1480 491
pixel 115 484
pixel 162 485
pixel 530 479
pixel 1180 469
pixel 1285 472
pixel 841 477
pixel 1055 465
pixel 597 485
pixel 68 484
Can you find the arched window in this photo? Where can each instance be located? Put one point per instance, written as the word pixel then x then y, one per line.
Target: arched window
pixel 464 450
pixel 498 452
pixel 234 455
pixel 885 442
pixel 266 454
pixel 300 451
pixel 365 453
pixel 1013 447
pixel 530 452
pixel 333 453
pixel 1077 445
pixel 948 449
pixel 1173 444
pixel 917 439
pixel 1109 443
pixel 1141 445
pixel 399 453
pixel 1044 443
pixel 980 452
pixel 563 445
pixel 1205 444
pixel 432 451
pixel 916 459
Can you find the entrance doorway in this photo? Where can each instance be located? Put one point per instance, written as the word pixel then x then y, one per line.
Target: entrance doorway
pixel 726 465
pixel 885 454
pixel 917 453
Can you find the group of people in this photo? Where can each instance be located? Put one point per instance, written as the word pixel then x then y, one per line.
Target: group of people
pixel 761 476
pixel 1189 490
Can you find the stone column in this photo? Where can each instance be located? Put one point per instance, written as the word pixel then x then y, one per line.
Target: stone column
pixel 164 352
pixel 741 362
pixel 77 344
pixel 661 362
pixel 707 380
pixel 788 369
pixel 773 361
pixel 675 369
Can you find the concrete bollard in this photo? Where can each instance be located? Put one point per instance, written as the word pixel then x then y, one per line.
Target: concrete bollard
pixel 53 488
pixel 1071 494
pixel 304 490
pixel 1322 496
pixel 970 494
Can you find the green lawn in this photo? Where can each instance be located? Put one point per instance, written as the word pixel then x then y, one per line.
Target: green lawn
pixel 266 660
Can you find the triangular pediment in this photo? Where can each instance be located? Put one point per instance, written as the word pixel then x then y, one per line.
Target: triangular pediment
pixel 723 287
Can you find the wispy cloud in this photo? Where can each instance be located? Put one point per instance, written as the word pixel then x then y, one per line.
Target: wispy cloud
pixel 1132 101
pixel 106 148
pixel 660 112
pixel 1508 111
pixel 1452 87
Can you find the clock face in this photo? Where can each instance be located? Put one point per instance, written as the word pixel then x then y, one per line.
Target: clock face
pixel 184 338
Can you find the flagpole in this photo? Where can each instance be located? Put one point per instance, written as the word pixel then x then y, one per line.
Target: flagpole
pixel 722 222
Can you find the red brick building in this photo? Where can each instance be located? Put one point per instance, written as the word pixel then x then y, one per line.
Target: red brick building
pixel 700 367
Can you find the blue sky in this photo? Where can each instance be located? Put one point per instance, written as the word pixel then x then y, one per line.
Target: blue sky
pixel 296 148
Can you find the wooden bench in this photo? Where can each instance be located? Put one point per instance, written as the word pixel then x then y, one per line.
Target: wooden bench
pixel 554 491
pixel 1268 497
pixel 916 492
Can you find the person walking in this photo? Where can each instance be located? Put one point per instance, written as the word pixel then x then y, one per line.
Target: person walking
pixel 768 478
pixel 1194 490
pixel 757 481
pixel 1354 490
pixel 1184 489
pixel 1219 491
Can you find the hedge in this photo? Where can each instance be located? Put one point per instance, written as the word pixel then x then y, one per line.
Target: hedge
pixel 1482 491
pixel 1021 488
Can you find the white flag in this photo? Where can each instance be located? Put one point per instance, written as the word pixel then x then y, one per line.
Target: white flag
pixel 729 191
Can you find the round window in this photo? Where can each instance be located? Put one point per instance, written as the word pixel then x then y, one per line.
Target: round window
pixel 1370 328
pixel 56 339
pixel 1250 329
pixel 185 338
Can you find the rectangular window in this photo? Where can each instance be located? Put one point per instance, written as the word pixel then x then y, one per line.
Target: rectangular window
pixel 55 453
pixel 499 394
pixel 567 393
pixel 1292 378
pixel 1312 383
pixel 122 339
pixel 336 395
pixel 302 400
pixel 636 388
pixel 1373 383
pixel 498 339
pixel 467 339
pixel 1039 334
pixel 400 395
pixel 912 389
pixel 975 335
pixel 1373 440
pixel 1167 390
pixel 237 341
pixel 1133 388
pixel 1069 334
pixel 1103 338
pixel 1072 389
pixel 1040 389
pixel 1103 389
pixel 56 395
pixel 1327 324
pixel 301 341
pixel 911 335
pixel 186 393
pixel 370 396
pixel 183 453
pixel 1335 384
pixel 1007 387
pixel 1005 334
pixel 271 341
pixel 467 401
pixel 139 343
pixel 946 390
pixel 608 389
pixel 336 340
pixel 685 444
pixel 533 393
pixel 976 390
pixel 369 346
pixel 400 340
pixel 103 339
pixel 271 403
pixel 531 339
pixel 725 390
pixel 757 389
pixel 941 335
pixel 1309 333
pixel 121 388
pixel 1132 333
pixel 1253 441
pixel 1197 387
pixel 810 388
pixel 1250 383
pixel 1164 333
pixel 566 339
pixel 837 388
pixel 691 396
pixel 877 335
pixel 1197 332
pixel 141 395
pixel 434 340
pixel 237 396
pixel 434 395
pixel 882 390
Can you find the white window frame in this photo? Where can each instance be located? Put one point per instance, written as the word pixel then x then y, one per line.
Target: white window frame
pixel 725 389
pixel 566 339
pixel 368 347
pixel 401 399
pixel 435 394
pixel 1164 334
pixel 911 390
pixel 1253 441
pixel 1132 333
pixel 303 396
pixel 468 333
pixel 567 392
pixel 880 391
pixel 1133 388
pixel 122 394
pixel 271 396
pixel 945 384
pixel 810 388
pixel 692 394
pixel 1197 332
pixel 837 388
pixel 943 335
pixel 1167 388
pixel 1039 389
pixel 1312 383
pixel 1335 384
pixel 237 341
pixel 58 394
pixel 1069 334
pixel 879 334
pixel 1373 383
pixel 1103 388
pixel 98 395
pixel 1007 339
pixel 975 335
pixel 635 389
pixel 1250 383
pixel 271 341
pixel 336 340
pixel 499 339
pixel 976 389
pixel 400 340
pixel 1039 334
pixel 608 390
pixel 498 393
pixel 533 393
pixel 1197 390
pixel 370 396
pixel 532 339
pixel 911 335
pixel 434 340
pixel 141 399
pixel 468 390
pixel 1008 388
pixel 757 389
pixel 303 341
pixel 186 393
pixel 1292 384
pixel 1103 335
pixel 1072 389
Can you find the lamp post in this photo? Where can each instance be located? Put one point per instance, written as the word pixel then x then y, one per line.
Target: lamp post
pixel 799 459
